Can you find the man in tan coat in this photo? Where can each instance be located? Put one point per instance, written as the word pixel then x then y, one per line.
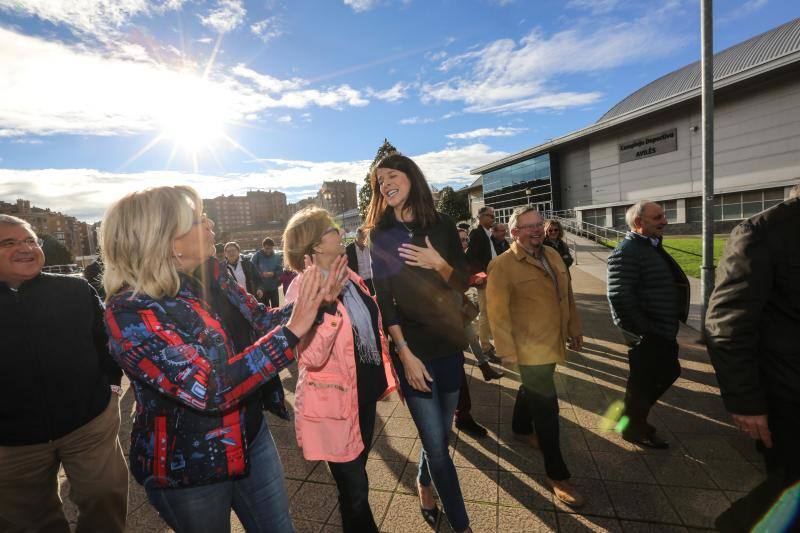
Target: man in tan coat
pixel 533 317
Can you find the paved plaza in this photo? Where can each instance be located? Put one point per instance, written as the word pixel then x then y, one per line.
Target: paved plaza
pixel 627 488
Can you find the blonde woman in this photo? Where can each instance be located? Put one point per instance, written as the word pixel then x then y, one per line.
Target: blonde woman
pixel 344 368
pixel 196 347
pixel 554 238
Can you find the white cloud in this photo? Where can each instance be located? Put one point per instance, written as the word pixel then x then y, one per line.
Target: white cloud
pixel 267 29
pixel 100 95
pixel 505 76
pixel 743 10
pixel 395 93
pixel 97 18
pixel 415 120
pixel 361 5
pixel 226 16
pixel 594 6
pixel 86 193
pixel 502 131
pixel 286 119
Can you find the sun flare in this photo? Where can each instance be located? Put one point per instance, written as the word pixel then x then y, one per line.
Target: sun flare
pixel 193 116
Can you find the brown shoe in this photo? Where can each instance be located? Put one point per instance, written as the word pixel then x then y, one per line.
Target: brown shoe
pixel 566 492
pixel 531 440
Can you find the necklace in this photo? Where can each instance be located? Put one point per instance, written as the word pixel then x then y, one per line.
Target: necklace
pixel 409 230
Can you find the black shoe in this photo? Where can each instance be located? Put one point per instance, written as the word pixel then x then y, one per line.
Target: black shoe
pixel 648 441
pixel 492 355
pixel 431 516
pixel 471 428
pixel 489 373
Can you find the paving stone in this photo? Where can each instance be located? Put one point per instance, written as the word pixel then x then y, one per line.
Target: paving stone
pixel 403 515
pixel 617 466
pixel 521 459
pixel 517 520
pixel 679 470
pixel 597 500
pixel 568 523
pixel 641 502
pixel 307 526
pixel 580 463
pixel 697 507
pixel 321 474
pixel 709 447
pixel 284 436
pixel 734 475
pixel 384 475
pixel 391 448
pixel 476 455
pixel 648 527
pixel 518 489
pixel 314 502
pixel 378 502
pixel 400 427
pixel 601 440
pixel 478 485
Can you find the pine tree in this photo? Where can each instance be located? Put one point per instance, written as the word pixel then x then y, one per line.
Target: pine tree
pixel 453 204
pixel 365 193
pixel 55 253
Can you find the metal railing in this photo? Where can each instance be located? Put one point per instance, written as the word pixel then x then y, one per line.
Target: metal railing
pixel 599 234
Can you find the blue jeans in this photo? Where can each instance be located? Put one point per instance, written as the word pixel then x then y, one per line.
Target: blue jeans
pixel 433 415
pixel 259 500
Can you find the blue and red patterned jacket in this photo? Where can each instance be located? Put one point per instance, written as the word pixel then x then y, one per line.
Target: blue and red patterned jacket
pixel 189 382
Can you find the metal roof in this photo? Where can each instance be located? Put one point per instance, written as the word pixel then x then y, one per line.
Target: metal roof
pixel 761 49
pixel 761 54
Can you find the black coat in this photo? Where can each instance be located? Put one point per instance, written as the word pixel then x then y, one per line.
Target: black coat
pixel 753 318
pixel 252 278
pixel 647 290
pixel 500 246
pixel 56 368
pixel 563 250
pixel 479 252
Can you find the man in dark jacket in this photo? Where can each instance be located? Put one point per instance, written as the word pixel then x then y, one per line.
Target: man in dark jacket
pixel 358 259
pixel 649 295
pixel 479 253
pixel 499 238
pixel 243 271
pixel 59 391
pixel 270 267
pixel 94 275
pixel 752 335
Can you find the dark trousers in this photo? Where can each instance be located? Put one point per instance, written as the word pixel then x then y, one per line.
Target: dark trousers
pixel 271 298
pixel 783 471
pixel 536 408
pixel 351 479
pixel 654 367
pixel 464 400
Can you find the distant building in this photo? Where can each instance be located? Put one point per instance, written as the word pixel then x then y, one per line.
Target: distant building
pixel 349 221
pixel 337 196
pixel 256 207
pixel 74 235
pixel 301 204
pixel 250 237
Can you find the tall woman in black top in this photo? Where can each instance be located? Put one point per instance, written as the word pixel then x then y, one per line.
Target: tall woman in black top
pixel 420 271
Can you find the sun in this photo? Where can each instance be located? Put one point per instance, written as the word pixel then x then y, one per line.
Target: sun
pixel 194 116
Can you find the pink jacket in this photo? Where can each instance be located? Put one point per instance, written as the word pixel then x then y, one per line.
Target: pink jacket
pixel 326 397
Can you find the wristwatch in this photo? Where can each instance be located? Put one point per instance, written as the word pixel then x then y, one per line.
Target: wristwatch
pixel 116 389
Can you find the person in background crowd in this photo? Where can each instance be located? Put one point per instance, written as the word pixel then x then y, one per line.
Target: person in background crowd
pixel 93 273
pixel 534 317
pixel 358 259
pixel 242 270
pixel 270 265
pixel 464 420
pixel 344 368
pixel 182 329
pixel 479 253
pixel 554 238
pixel 219 253
pixel 287 276
pixel 420 275
pixel 499 238
pixel 59 396
pixel 649 294
pixel 751 333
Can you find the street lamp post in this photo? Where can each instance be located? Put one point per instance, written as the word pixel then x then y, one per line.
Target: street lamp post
pixel 707 123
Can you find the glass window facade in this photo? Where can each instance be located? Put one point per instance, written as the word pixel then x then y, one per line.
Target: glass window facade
pixel 523 183
pixel 670 208
pixel 595 216
pixel 734 206
pixel 618 214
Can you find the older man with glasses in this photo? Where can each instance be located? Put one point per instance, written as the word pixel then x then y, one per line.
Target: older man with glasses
pixel 59 396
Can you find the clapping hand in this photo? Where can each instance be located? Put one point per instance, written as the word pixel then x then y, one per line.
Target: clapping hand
pixel 309 298
pixel 336 280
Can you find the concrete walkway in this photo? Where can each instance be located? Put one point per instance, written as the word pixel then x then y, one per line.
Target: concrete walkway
pixel 708 465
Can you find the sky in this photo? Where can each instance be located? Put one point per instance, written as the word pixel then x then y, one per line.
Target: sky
pixel 102 97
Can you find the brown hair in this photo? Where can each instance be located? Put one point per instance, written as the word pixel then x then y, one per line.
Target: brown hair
pixel 303 232
pixel 554 224
pixel 419 201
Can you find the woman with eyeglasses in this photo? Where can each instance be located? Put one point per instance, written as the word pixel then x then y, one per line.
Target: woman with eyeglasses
pixel 420 273
pixel 343 367
pixel 554 238
pixel 197 347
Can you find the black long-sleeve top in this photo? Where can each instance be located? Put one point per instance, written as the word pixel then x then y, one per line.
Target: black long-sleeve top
pixel 427 308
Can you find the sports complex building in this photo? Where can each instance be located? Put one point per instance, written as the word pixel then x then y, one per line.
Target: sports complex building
pixel 648 146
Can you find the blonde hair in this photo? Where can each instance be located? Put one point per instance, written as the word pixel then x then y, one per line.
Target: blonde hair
pixel 303 232
pixel 138 234
pixel 550 223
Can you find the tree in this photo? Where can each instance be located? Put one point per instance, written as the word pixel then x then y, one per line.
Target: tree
pixel 453 204
pixel 365 193
pixel 55 253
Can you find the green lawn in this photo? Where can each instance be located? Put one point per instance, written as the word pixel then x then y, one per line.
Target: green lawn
pixel 687 251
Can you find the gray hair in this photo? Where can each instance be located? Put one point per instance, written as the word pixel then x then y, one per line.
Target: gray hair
pixel 794 192
pixel 9 220
pixel 635 211
pixel 233 244
pixel 518 212
pixel 484 209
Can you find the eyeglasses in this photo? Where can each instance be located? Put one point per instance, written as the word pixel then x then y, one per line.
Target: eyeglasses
pixel 8 244
pixel 527 227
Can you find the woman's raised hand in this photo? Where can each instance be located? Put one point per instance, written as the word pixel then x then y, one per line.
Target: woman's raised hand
pixel 337 276
pixel 421 256
pixel 309 298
